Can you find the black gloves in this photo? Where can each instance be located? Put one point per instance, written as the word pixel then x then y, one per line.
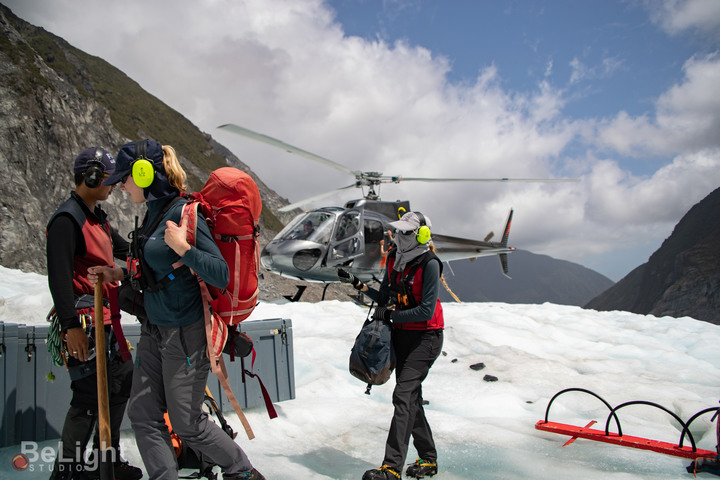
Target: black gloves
pixel 347 277
pixel 382 313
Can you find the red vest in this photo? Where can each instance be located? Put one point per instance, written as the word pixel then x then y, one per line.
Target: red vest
pixel 437 322
pixel 98 251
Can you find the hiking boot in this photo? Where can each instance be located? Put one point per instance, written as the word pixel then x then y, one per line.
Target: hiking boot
pixel 124 471
pixel 383 473
pixel 251 475
pixel 65 471
pixel 421 468
pixel 705 465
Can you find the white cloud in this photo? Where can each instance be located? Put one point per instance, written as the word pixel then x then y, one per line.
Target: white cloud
pixel 686 117
pixel 676 16
pixel 581 72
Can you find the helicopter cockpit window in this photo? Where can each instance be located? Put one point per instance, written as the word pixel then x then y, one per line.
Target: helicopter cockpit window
pixel 347 241
pixel 348 225
pixel 314 227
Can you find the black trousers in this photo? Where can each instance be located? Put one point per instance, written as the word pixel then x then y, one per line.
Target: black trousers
pixel 416 351
pixel 82 415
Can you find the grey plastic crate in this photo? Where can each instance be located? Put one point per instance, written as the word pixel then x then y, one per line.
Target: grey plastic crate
pixel 273 342
pixel 8 382
pixel 34 408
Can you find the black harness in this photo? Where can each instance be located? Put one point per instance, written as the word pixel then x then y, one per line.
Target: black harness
pixel 399 283
pixel 140 274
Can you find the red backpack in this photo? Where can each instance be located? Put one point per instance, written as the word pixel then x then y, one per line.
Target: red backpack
pixel 231 204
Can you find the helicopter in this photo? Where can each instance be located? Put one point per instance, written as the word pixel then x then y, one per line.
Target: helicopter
pixel 316 243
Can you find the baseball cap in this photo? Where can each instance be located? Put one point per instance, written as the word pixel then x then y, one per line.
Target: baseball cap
pixel 94 154
pixel 410 221
pixel 126 157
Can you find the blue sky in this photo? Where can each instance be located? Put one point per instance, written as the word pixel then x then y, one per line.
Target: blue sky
pixel 620 94
pixel 607 55
pixel 622 53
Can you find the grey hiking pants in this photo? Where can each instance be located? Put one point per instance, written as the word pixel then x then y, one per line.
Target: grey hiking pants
pixel 171 373
pixel 416 351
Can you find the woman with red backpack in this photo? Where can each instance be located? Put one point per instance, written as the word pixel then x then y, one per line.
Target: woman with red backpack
pixel 172 365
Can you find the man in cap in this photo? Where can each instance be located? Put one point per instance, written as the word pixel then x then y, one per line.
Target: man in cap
pixel 78 237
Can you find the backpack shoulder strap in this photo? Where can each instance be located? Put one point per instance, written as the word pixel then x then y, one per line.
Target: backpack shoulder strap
pixel 430 256
pixel 190 210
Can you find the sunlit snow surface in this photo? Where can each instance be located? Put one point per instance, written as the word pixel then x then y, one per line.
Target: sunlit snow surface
pixel 483 430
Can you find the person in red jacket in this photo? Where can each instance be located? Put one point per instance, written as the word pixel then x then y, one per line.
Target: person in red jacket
pixel 408 297
pixel 79 236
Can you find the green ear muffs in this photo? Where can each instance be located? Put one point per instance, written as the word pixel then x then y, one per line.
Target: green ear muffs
pixel 143 171
pixel 423 234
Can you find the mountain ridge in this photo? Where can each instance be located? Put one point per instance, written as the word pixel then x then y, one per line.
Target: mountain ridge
pixel 681 278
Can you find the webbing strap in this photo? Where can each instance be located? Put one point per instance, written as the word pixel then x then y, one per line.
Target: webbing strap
pixel 222 376
pixel 218 365
pixel 236 289
pixel 116 326
pixel 266 396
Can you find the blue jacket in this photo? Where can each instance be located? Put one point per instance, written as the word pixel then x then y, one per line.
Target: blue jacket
pixel 180 302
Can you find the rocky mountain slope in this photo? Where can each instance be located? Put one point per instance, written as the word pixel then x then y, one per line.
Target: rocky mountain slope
pixel 682 277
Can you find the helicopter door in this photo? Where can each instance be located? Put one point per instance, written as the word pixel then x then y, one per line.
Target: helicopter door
pixel 348 240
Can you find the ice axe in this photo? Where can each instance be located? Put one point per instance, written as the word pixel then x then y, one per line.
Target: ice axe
pixel 106 455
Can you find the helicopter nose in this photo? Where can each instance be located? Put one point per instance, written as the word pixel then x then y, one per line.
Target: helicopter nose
pixel 266 259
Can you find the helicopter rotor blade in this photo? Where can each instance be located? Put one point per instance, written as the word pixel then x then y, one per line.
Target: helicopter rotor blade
pixel 295 205
pixel 421 179
pixel 230 127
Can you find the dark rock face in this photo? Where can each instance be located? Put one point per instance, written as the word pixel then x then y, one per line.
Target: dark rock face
pixel 44 124
pixel 682 278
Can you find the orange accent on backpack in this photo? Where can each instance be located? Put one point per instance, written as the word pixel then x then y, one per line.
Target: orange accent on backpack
pixel 174 438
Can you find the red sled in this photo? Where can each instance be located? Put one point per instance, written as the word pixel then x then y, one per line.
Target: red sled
pixel 677 450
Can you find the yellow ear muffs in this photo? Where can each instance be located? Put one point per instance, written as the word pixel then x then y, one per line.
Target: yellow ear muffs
pixel 423 234
pixel 143 172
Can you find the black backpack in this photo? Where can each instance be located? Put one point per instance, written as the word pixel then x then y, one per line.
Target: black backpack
pixel 372 358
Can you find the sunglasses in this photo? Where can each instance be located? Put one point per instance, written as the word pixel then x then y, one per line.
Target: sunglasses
pixel 408 232
pixel 124 178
